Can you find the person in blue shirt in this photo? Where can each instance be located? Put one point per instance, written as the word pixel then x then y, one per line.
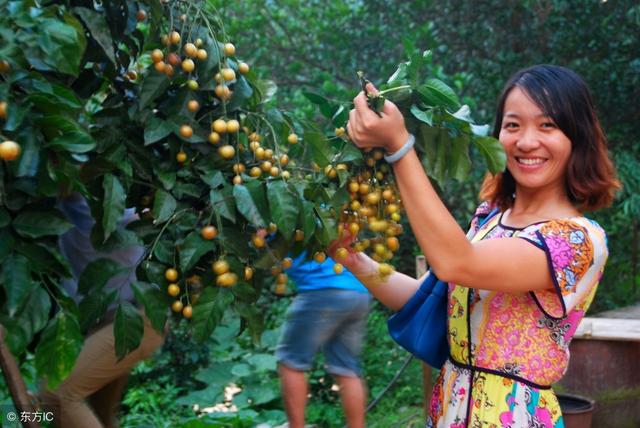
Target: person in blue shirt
pixel 328 314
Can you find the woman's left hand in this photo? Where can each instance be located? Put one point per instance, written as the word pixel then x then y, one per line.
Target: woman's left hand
pixel 368 130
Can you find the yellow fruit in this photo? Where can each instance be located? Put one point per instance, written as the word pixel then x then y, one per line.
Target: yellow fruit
pixel 220 126
pixel 353 186
pixel 248 273
pixel 272 228
pixel 373 198
pixel 282 278
pixel 286 175
pixel 199 42
pixel 299 235
pixel 219 267
pixel 385 269
pixel 188 65
pixel 223 92
pixel 281 288
pixel 141 15
pixel 338 268
pixel 9 150
pixel 187 311
pixel 227 279
pixel 319 257
pixel 354 228
pixel 388 195
pixel 4 66
pixel 330 171
pixel 233 126
pixel 186 131
pixel 160 66
pixel 171 275
pixel 237 179
pixel 255 172
pixel 254 136
pixel 341 253
pixel 266 166
pixel 284 160
pixel 258 241
pixel 228 74
pixel 239 168
pixel 173 290
pixel 193 84
pixel 157 55
pixel 339 132
pixel 174 37
pixel 227 151
pixel 218 78
pixel 243 68
pixel 229 49
pixel 131 75
pixel 173 59
pixel 393 243
pixel 209 232
pixel 274 171
pixel 181 157
pixel 177 306
pixel 214 138
pixel 292 139
pixel 287 263
pixel 190 49
pixel 201 54
pixel 395 217
pixel 193 106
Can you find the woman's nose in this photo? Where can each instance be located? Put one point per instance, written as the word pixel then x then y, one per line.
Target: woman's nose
pixel 528 140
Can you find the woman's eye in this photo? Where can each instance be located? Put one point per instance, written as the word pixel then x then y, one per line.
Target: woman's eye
pixel 549 125
pixel 510 125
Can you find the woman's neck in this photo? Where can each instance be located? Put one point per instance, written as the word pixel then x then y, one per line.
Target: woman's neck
pixel 531 207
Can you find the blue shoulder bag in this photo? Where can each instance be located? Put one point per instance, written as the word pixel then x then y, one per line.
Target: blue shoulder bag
pixel 420 326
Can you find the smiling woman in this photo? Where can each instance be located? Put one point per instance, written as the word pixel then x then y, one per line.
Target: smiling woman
pixel 520 283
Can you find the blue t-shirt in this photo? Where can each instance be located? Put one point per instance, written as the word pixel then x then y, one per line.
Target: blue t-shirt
pixel 309 275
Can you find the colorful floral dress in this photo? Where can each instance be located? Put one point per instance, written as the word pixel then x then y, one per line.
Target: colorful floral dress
pixel 507 349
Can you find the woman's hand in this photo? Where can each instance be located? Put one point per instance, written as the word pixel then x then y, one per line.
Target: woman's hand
pixel 353 258
pixel 367 130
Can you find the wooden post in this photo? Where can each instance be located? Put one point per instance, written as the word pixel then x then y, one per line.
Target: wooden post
pixel 427 384
pixel 17 387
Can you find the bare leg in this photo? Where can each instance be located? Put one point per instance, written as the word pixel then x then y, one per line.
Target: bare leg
pixel 294 393
pixel 353 394
pixel 105 402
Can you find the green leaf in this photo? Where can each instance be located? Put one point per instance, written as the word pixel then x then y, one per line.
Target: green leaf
pixel 128 329
pixel 463 114
pixel 436 93
pixel 425 116
pixel 263 362
pixel 493 153
pixel 5 219
pixel 97 273
pixel 113 204
pixel 321 151
pixel 163 207
pixel 75 142
pixel 27 323
pixel 308 220
pixel 156 129
pixel 59 346
pixel 35 224
pixel 155 303
pixel 459 161
pixel 207 313
pixel 350 153
pixel 99 29
pixel 241 370
pixel 17 282
pixel 223 203
pixel 192 250
pixel 284 206
pixel 93 307
pixel 153 85
pixel 247 206
pixel 45 258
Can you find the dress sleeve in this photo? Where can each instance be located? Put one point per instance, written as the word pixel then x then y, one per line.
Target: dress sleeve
pixel 576 253
pixel 481 212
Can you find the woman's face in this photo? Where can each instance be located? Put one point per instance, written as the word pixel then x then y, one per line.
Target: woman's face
pixel 537 150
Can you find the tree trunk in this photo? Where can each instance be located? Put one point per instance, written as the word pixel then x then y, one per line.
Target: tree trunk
pixel 17 387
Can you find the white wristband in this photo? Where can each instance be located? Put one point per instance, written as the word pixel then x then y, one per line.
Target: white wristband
pixel 394 157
